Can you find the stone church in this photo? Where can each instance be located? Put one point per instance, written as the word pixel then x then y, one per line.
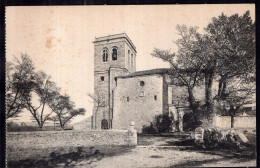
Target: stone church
pixel 125 94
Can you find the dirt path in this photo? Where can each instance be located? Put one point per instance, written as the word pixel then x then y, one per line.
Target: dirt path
pixel 164 157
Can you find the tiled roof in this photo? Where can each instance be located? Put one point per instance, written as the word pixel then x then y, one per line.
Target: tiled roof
pixel 159 71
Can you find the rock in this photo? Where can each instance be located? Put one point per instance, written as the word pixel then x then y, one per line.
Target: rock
pixel 242 138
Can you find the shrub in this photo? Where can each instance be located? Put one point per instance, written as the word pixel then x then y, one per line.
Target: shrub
pixel 161 124
pixel 190 122
pixel 212 138
pixel 149 129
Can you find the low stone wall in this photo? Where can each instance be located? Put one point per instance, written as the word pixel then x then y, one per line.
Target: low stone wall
pixel 239 122
pixel 244 122
pixel 223 121
pixel 43 139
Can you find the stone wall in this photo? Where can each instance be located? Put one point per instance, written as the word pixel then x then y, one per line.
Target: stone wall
pixel 133 102
pixel 43 139
pixel 244 122
pixel 239 122
pixel 223 121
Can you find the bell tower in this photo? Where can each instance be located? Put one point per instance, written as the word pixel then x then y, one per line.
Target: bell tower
pixel 114 55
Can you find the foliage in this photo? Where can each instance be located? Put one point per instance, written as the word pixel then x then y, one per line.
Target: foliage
pixel 187 68
pixel 149 129
pixel 64 109
pixel 232 43
pixel 191 121
pixel 45 90
pixel 212 138
pixel 226 50
pixel 161 124
pixel 19 83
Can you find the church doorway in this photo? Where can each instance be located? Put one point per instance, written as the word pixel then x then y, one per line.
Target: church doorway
pixel 104 124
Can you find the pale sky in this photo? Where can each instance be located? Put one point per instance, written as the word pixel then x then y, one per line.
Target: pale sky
pixel 59 38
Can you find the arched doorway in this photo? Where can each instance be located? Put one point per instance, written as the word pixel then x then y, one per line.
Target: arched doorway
pixel 104 124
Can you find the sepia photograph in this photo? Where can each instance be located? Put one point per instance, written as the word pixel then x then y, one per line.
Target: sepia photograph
pixel 130 86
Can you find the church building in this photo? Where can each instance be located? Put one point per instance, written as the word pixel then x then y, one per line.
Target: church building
pixel 126 94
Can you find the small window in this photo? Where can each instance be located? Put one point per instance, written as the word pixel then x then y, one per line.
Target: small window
pixel 127 99
pixel 102 78
pixel 155 97
pixel 115 78
pixel 141 94
pixel 105 55
pixel 141 83
pixel 114 54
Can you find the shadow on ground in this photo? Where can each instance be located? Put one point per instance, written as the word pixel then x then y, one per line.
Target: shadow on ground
pixel 241 155
pixel 69 157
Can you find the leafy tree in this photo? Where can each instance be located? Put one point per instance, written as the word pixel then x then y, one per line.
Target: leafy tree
pixel 231 41
pixel 186 66
pixel 64 108
pixel 231 44
pixel 238 92
pixel 45 90
pixel 226 51
pixel 19 83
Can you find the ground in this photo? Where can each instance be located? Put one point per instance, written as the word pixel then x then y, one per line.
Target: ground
pixel 152 151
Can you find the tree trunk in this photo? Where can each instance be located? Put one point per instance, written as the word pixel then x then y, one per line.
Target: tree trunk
pixel 192 102
pixel 232 121
pixel 208 93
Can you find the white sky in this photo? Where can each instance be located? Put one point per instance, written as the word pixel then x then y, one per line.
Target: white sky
pixel 59 39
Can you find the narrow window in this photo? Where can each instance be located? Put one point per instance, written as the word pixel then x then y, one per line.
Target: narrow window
pixel 115 78
pixel 129 59
pixel 114 54
pixel 105 55
pixel 132 61
pixel 102 78
pixel 127 99
pixel 155 97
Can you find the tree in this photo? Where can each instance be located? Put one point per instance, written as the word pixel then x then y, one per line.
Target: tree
pixel 99 101
pixel 64 108
pixel 186 66
pixel 225 51
pixel 231 47
pixel 231 40
pixel 45 90
pixel 239 91
pixel 19 83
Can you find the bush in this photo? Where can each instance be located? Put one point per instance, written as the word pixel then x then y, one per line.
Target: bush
pixel 212 138
pixel 162 123
pixel 190 122
pixel 149 129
